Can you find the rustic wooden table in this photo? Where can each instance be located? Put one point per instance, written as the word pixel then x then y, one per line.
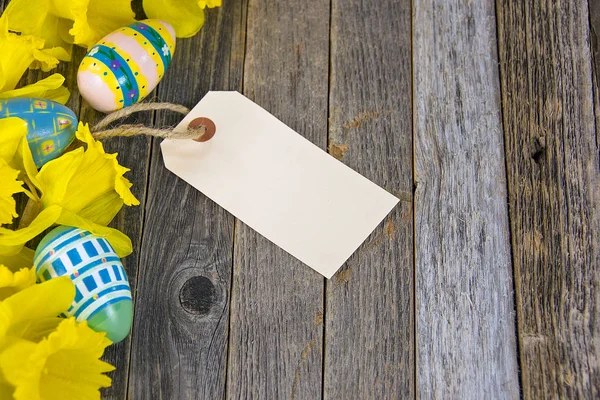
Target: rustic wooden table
pixel 484 282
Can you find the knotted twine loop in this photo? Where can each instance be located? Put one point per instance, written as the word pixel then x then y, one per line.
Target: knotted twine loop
pixel 196 130
pixel 128 130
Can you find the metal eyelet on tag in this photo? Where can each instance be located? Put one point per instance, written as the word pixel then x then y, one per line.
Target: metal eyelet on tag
pixel 208 125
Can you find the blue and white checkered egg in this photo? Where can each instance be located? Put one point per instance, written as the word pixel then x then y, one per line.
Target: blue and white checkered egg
pixel 102 292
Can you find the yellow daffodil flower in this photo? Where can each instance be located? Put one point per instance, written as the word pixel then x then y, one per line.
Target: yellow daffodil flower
pixel 20 52
pixel 9 185
pixel 65 365
pixel 84 189
pixel 186 16
pixel 43 356
pixel 13 282
pixel 89 183
pixel 64 22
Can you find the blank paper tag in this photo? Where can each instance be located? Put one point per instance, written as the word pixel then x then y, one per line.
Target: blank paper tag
pixel 280 184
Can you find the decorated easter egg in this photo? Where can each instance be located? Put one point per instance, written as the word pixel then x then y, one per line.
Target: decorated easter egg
pixel 50 125
pixel 126 65
pixel 102 293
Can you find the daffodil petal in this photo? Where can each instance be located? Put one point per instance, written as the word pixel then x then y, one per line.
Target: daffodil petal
pixel 18 52
pixel 24 18
pixel 103 209
pixel 45 59
pixel 43 300
pixel 118 240
pixel 6 390
pixel 15 353
pixel 14 148
pixel 185 16
pixel 13 282
pixel 22 259
pixel 89 183
pixel 13 131
pixel 66 364
pixel 93 19
pixel 9 185
pixel 209 3
pixel 49 88
pixel 12 242
pixel 53 178
pixel 34 329
pixel 37 21
pixel 122 184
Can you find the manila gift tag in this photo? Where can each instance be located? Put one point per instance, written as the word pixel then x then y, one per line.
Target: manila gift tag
pixel 280 184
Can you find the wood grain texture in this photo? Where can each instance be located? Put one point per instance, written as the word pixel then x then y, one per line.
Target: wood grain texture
pixel 133 153
pixel 182 307
pixel 554 194
pixel 369 315
pixel 594 9
pixel 276 332
pixel 466 345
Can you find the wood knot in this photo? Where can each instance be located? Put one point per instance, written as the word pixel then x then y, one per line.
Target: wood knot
pixel 538 150
pixel 197 295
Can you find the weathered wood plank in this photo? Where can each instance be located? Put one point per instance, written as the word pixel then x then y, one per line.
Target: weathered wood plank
pixel 465 312
pixel 554 196
pixel 594 9
pixel 133 153
pixel 182 307
pixel 276 327
pixel 370 309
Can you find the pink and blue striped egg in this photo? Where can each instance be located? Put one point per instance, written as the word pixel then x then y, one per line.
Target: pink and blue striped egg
pixel 126 65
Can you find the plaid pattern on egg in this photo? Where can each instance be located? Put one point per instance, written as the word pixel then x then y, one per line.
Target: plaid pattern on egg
pixel 92 265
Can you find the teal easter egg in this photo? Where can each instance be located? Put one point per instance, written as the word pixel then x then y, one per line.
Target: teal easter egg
pixel 50 125
pixel 102 293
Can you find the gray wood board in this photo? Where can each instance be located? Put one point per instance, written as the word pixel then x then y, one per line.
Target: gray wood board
pixel 133 153
pixel 369 318
pixel 466 345
pixel 276 332
pixel 182 307
pixel 554 194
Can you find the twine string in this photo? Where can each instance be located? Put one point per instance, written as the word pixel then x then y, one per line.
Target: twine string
pixel 138 129
pixel 194 131
pixel 129 130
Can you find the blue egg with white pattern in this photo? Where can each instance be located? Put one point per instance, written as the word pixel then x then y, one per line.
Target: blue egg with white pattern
pixel 102 292
pixel 51 126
